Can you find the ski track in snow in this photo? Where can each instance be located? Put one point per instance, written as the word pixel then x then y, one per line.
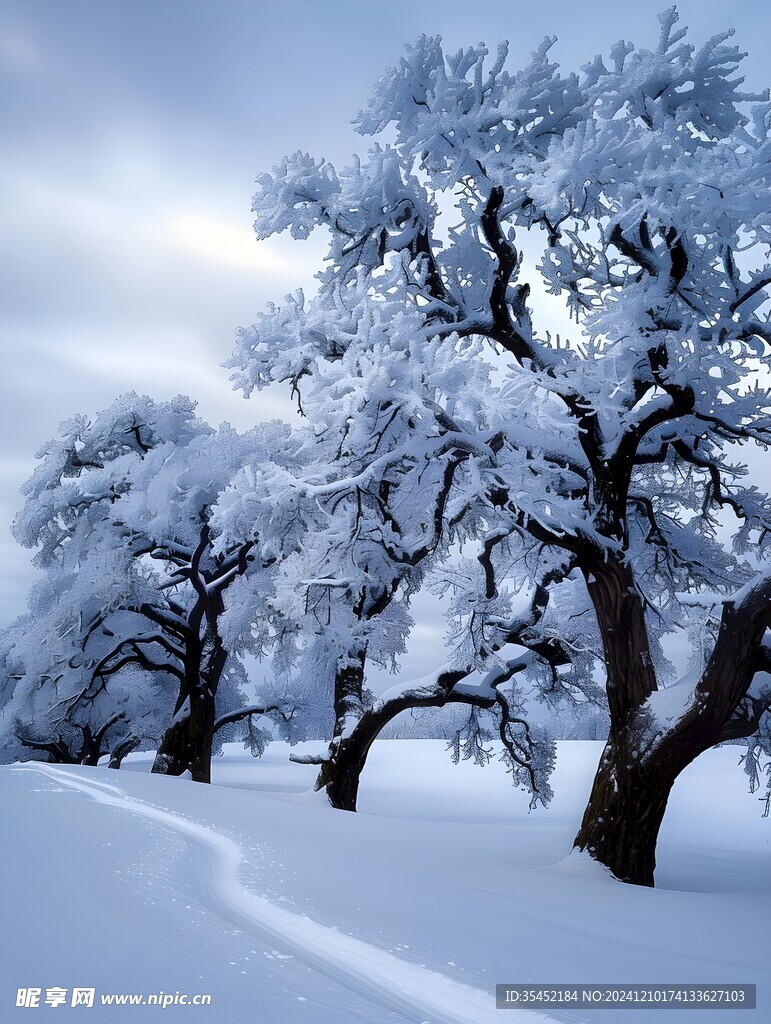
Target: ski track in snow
pixel 406 988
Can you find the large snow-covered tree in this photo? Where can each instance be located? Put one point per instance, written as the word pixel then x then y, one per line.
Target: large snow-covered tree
pixel 379 505
pixel 553 289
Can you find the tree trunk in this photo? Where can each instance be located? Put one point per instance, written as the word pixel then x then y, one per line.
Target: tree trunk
pixel 341 779
pixel 342 773
pixel 119 753
pixel 643 758
pixel 350 757
pixel 621 822
pixel 187 743
pixel 91 750
pixel 629 795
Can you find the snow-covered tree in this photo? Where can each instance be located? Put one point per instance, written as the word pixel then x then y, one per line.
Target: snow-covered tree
pixel 136 486
pixel 355 544
pixel 341 587
pixel 53 706
pixel 551 289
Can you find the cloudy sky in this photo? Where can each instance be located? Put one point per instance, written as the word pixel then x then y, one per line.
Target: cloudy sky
pixel 132 131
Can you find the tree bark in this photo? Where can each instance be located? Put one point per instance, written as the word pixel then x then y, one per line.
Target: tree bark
pixel 341 781
pixel 342 775
pixel 630 676
pixel 119 753
pixel 626 807
pixel 638 768
pixel 642 758
pixel 351 756
pixel 187 743
pixel 91 750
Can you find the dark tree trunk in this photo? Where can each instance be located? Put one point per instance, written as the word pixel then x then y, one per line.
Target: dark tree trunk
pixel 629 796
pixel 341 782
pixel 342 775
pixel 631 678
pixel 621 822
pixel 91 750
pixel 350 758
pixel 638 768
pixel 187 743
pixel 120 752
pixel 642 759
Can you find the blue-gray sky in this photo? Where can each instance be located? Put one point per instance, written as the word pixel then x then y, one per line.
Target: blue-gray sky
pixel 132 131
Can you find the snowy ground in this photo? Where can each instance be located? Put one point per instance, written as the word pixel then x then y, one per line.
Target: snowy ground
pixel 286 911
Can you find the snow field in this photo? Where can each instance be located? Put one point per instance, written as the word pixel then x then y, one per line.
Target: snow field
pixel 412 910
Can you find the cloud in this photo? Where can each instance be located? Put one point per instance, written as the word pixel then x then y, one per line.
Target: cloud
pixel 224 243
pixel 170 360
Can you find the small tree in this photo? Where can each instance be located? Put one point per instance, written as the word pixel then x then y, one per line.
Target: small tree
pixel 632 196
